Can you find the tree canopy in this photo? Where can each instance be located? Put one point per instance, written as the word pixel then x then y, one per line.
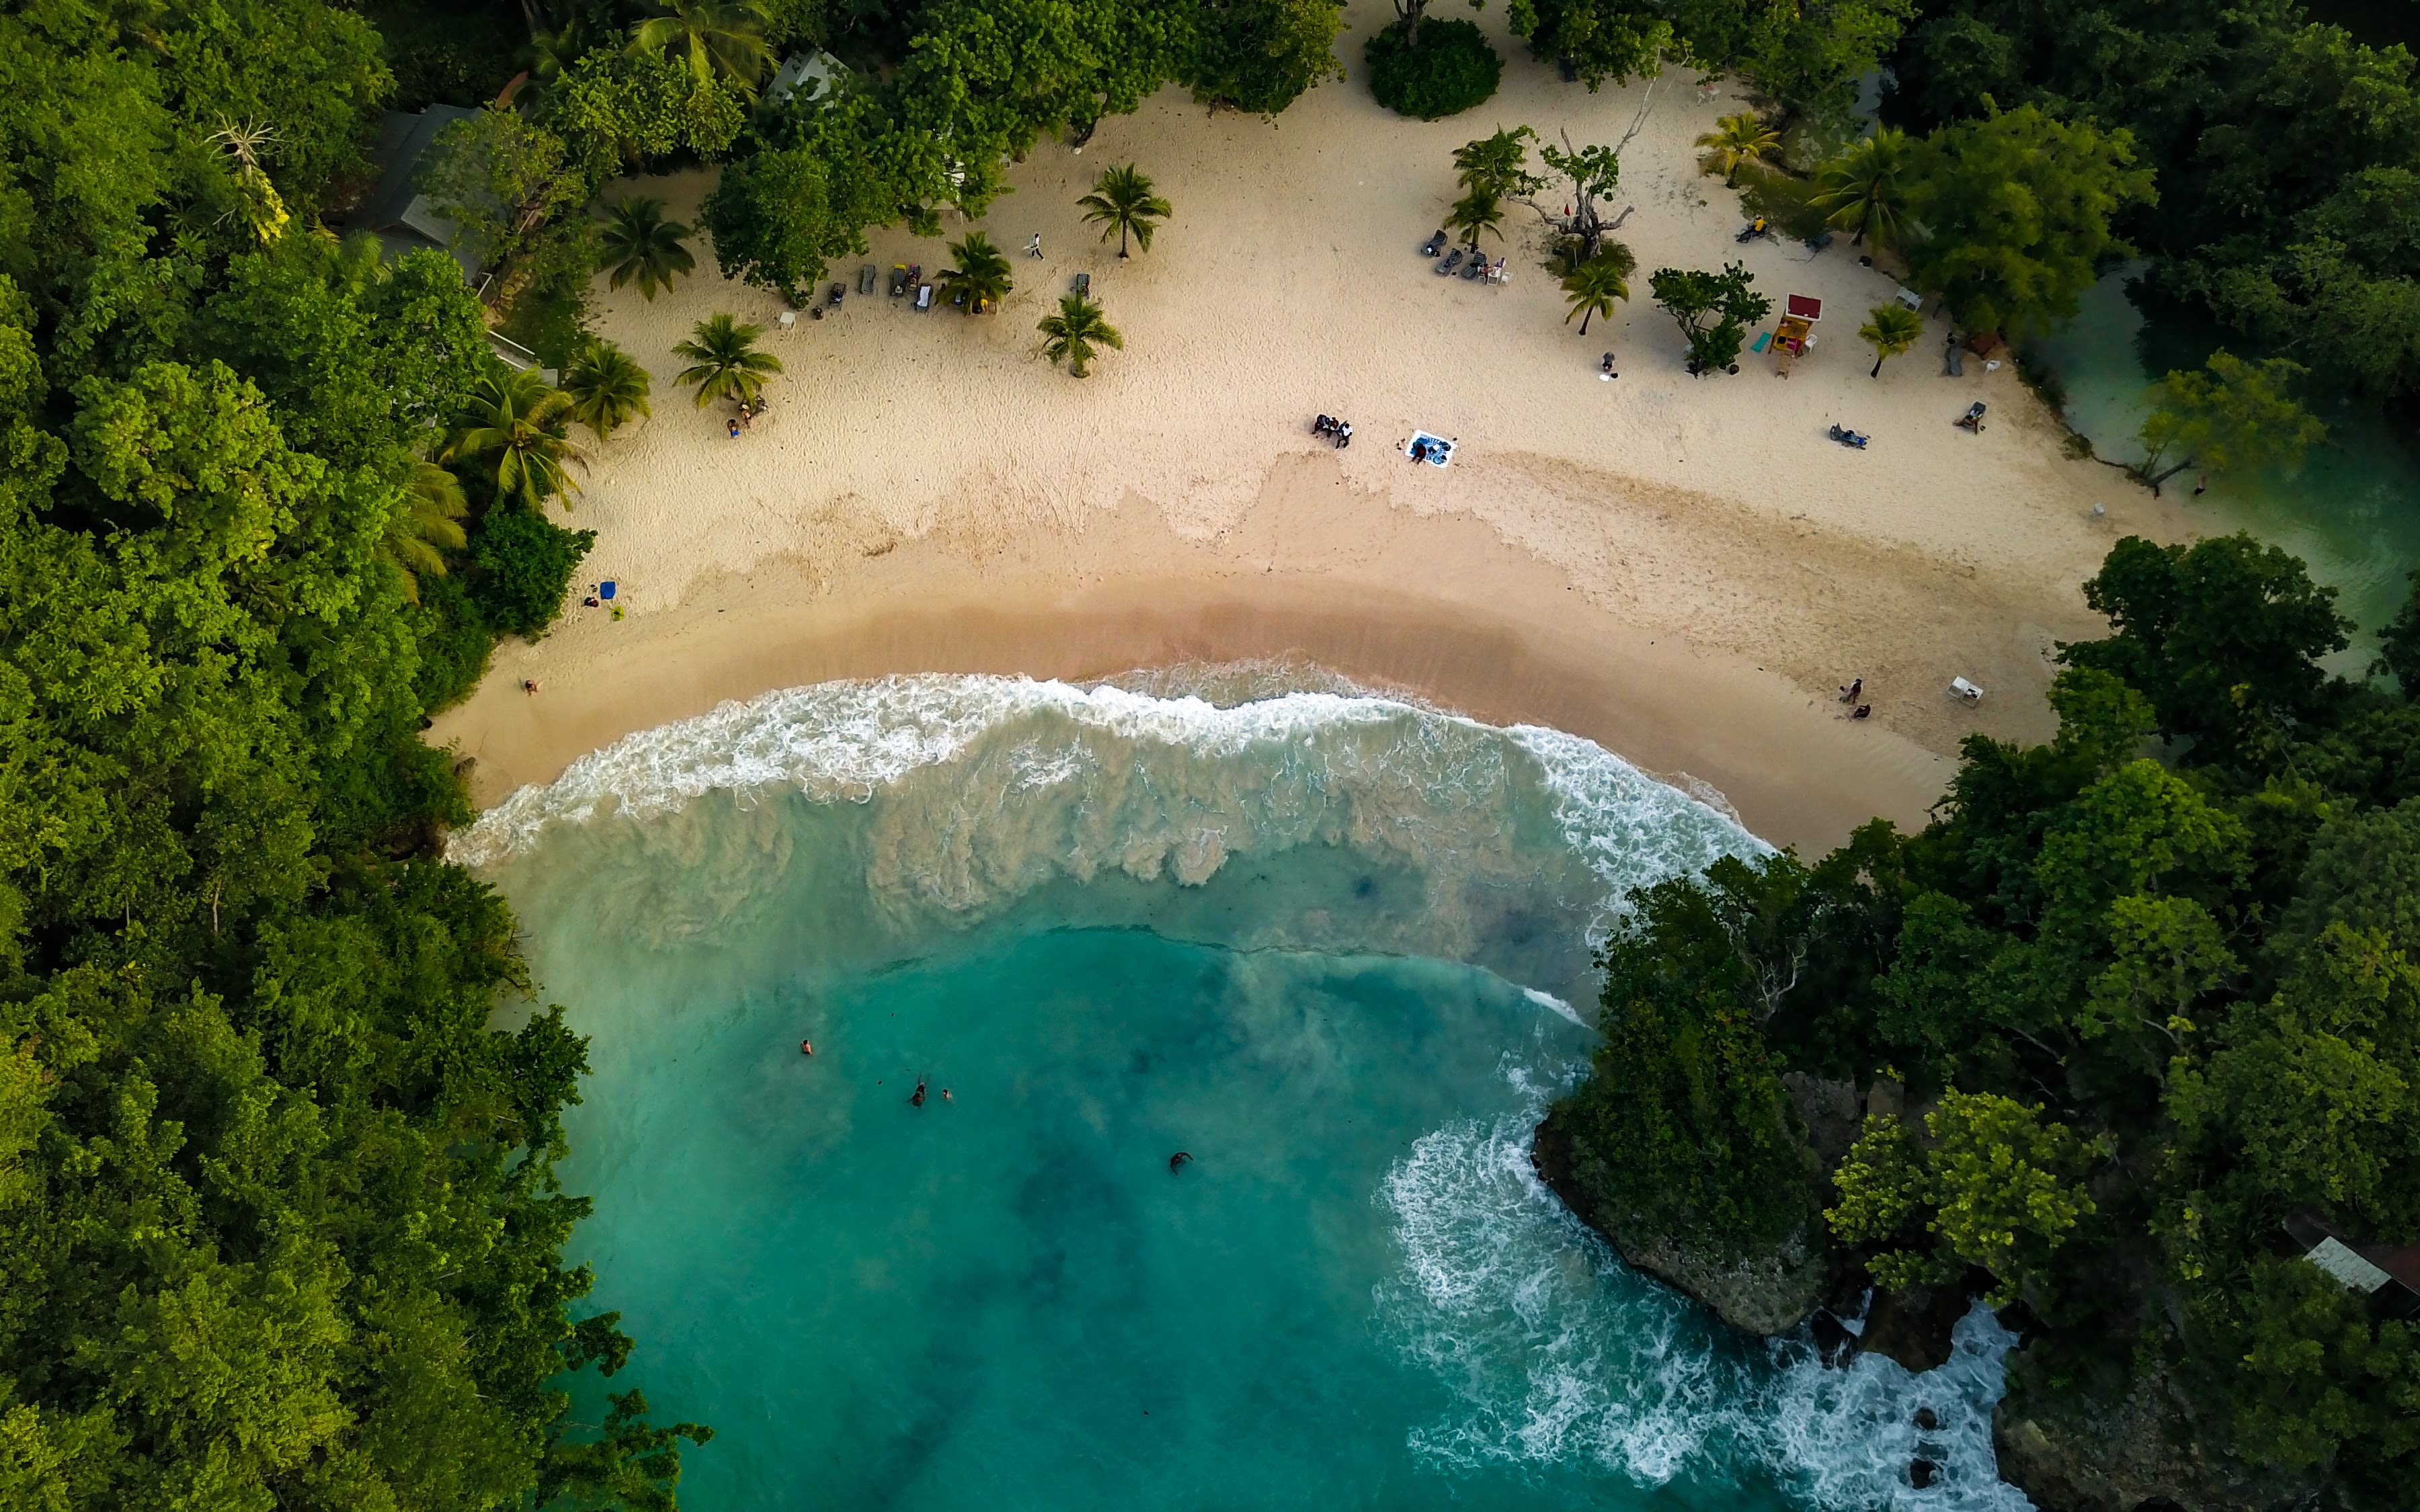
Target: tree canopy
pixel 2132 1014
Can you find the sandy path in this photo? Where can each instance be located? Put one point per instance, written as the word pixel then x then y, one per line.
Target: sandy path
pixel 916 466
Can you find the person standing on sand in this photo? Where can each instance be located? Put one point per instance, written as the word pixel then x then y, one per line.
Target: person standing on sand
pixel 1849 694
pixel 1033 248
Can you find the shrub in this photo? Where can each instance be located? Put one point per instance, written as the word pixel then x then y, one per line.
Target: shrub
pixel 1449 69
pixel 525 562
pixel 455 642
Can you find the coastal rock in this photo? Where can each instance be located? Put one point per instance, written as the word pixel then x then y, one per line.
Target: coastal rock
pixel 1912 1325
pixel 1828 1109
pixel 2143 1451
pixel 1758 1294
pixel 1761 1294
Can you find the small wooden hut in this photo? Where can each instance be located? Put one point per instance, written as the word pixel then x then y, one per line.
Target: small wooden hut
pixel 1797 333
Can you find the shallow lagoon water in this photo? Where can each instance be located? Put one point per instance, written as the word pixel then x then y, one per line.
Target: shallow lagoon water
pixel 1324 943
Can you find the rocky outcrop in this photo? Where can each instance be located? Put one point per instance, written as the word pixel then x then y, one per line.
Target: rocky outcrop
pixel 1761 1294
pixel 1766 1293
pixel 2145 1451
pixel 1830 1111
pixel 1914 1324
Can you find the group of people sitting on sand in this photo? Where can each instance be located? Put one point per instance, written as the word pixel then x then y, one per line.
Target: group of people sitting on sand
pixel 1341 430
pixel 746 419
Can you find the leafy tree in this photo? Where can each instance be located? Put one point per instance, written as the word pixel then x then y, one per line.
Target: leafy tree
pixel 778 217
pixel 1122 201
pixel 2016 210
pixel 640 244
pixel 608 387
pixel 1261 55
pixel 1442 68
pixel 2399 642
pixel 1074 332
pixel 502 180
pixel 720 40
pixel 1713 311
pixel 1604 41
pixel 525 564
pixel 2231 414
pixel 1596 284
pixel 1863 190
pixel 1736 139
pixel 1808 56
pixel 981 274
pixel 515 438
pixel 1592 173
pixel 2193 623
pixel 619 113
pixel 724 362
pixel 1997 1187
pixel 1890 330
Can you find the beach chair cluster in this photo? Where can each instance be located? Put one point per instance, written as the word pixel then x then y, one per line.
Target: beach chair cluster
pixel 1469 263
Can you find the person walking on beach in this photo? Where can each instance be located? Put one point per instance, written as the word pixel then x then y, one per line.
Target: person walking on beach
pixel 1849 694
pixel 1033 248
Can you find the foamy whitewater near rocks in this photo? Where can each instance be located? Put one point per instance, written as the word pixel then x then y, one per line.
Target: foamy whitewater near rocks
pixel 1323 942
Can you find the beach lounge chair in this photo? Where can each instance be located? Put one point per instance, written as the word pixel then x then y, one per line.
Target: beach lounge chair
pixel 898 279
pixel 865 279
pixel 1434 245
pixel 923 295
pixel 1453 261
pixel 1083 284
pixel 1967 690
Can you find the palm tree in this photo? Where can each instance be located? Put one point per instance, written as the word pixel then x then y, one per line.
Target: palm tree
pixel 728 364
pixel 1890 330
pixel 607 387
pixel 639 244
pixel 518 437
pixel 1475 212
pixel 1738 139
pixel 426 524
pixel 1074 330
pixel 1122 198
pixel 721 37
pixel 982 274
pixel 1596 284
pixel 1860 190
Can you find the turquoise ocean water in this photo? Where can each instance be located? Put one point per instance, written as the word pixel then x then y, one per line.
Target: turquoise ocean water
pixel 1323 942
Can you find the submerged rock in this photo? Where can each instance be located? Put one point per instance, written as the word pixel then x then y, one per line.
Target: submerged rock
pixel 2145 1450
pixel 1766 1293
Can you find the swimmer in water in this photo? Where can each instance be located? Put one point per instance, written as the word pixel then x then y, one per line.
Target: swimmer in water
pixel 916 1099
pixel 946 1097
pixel 807 1047
pixel 1177 1161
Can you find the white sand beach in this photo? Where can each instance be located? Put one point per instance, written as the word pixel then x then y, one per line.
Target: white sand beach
pixel 1679 569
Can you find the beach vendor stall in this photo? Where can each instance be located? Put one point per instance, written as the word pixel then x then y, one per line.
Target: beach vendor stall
pixel 1798 331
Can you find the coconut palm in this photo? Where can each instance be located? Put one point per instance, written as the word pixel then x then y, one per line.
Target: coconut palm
pixel 518 437
pixel 1890 330
pixel 1860 190
pixel 1074 330
pixel 980 275
pixel 1596 284
pixel 725 362
pixel 1123 201
pixel 1475 212
pixel 426 524
pixel 640 244
pixel 718 37
pixel 1738 139
pixel 607 387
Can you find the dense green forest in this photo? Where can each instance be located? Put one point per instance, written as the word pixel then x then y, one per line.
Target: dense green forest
pixel 2155 988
